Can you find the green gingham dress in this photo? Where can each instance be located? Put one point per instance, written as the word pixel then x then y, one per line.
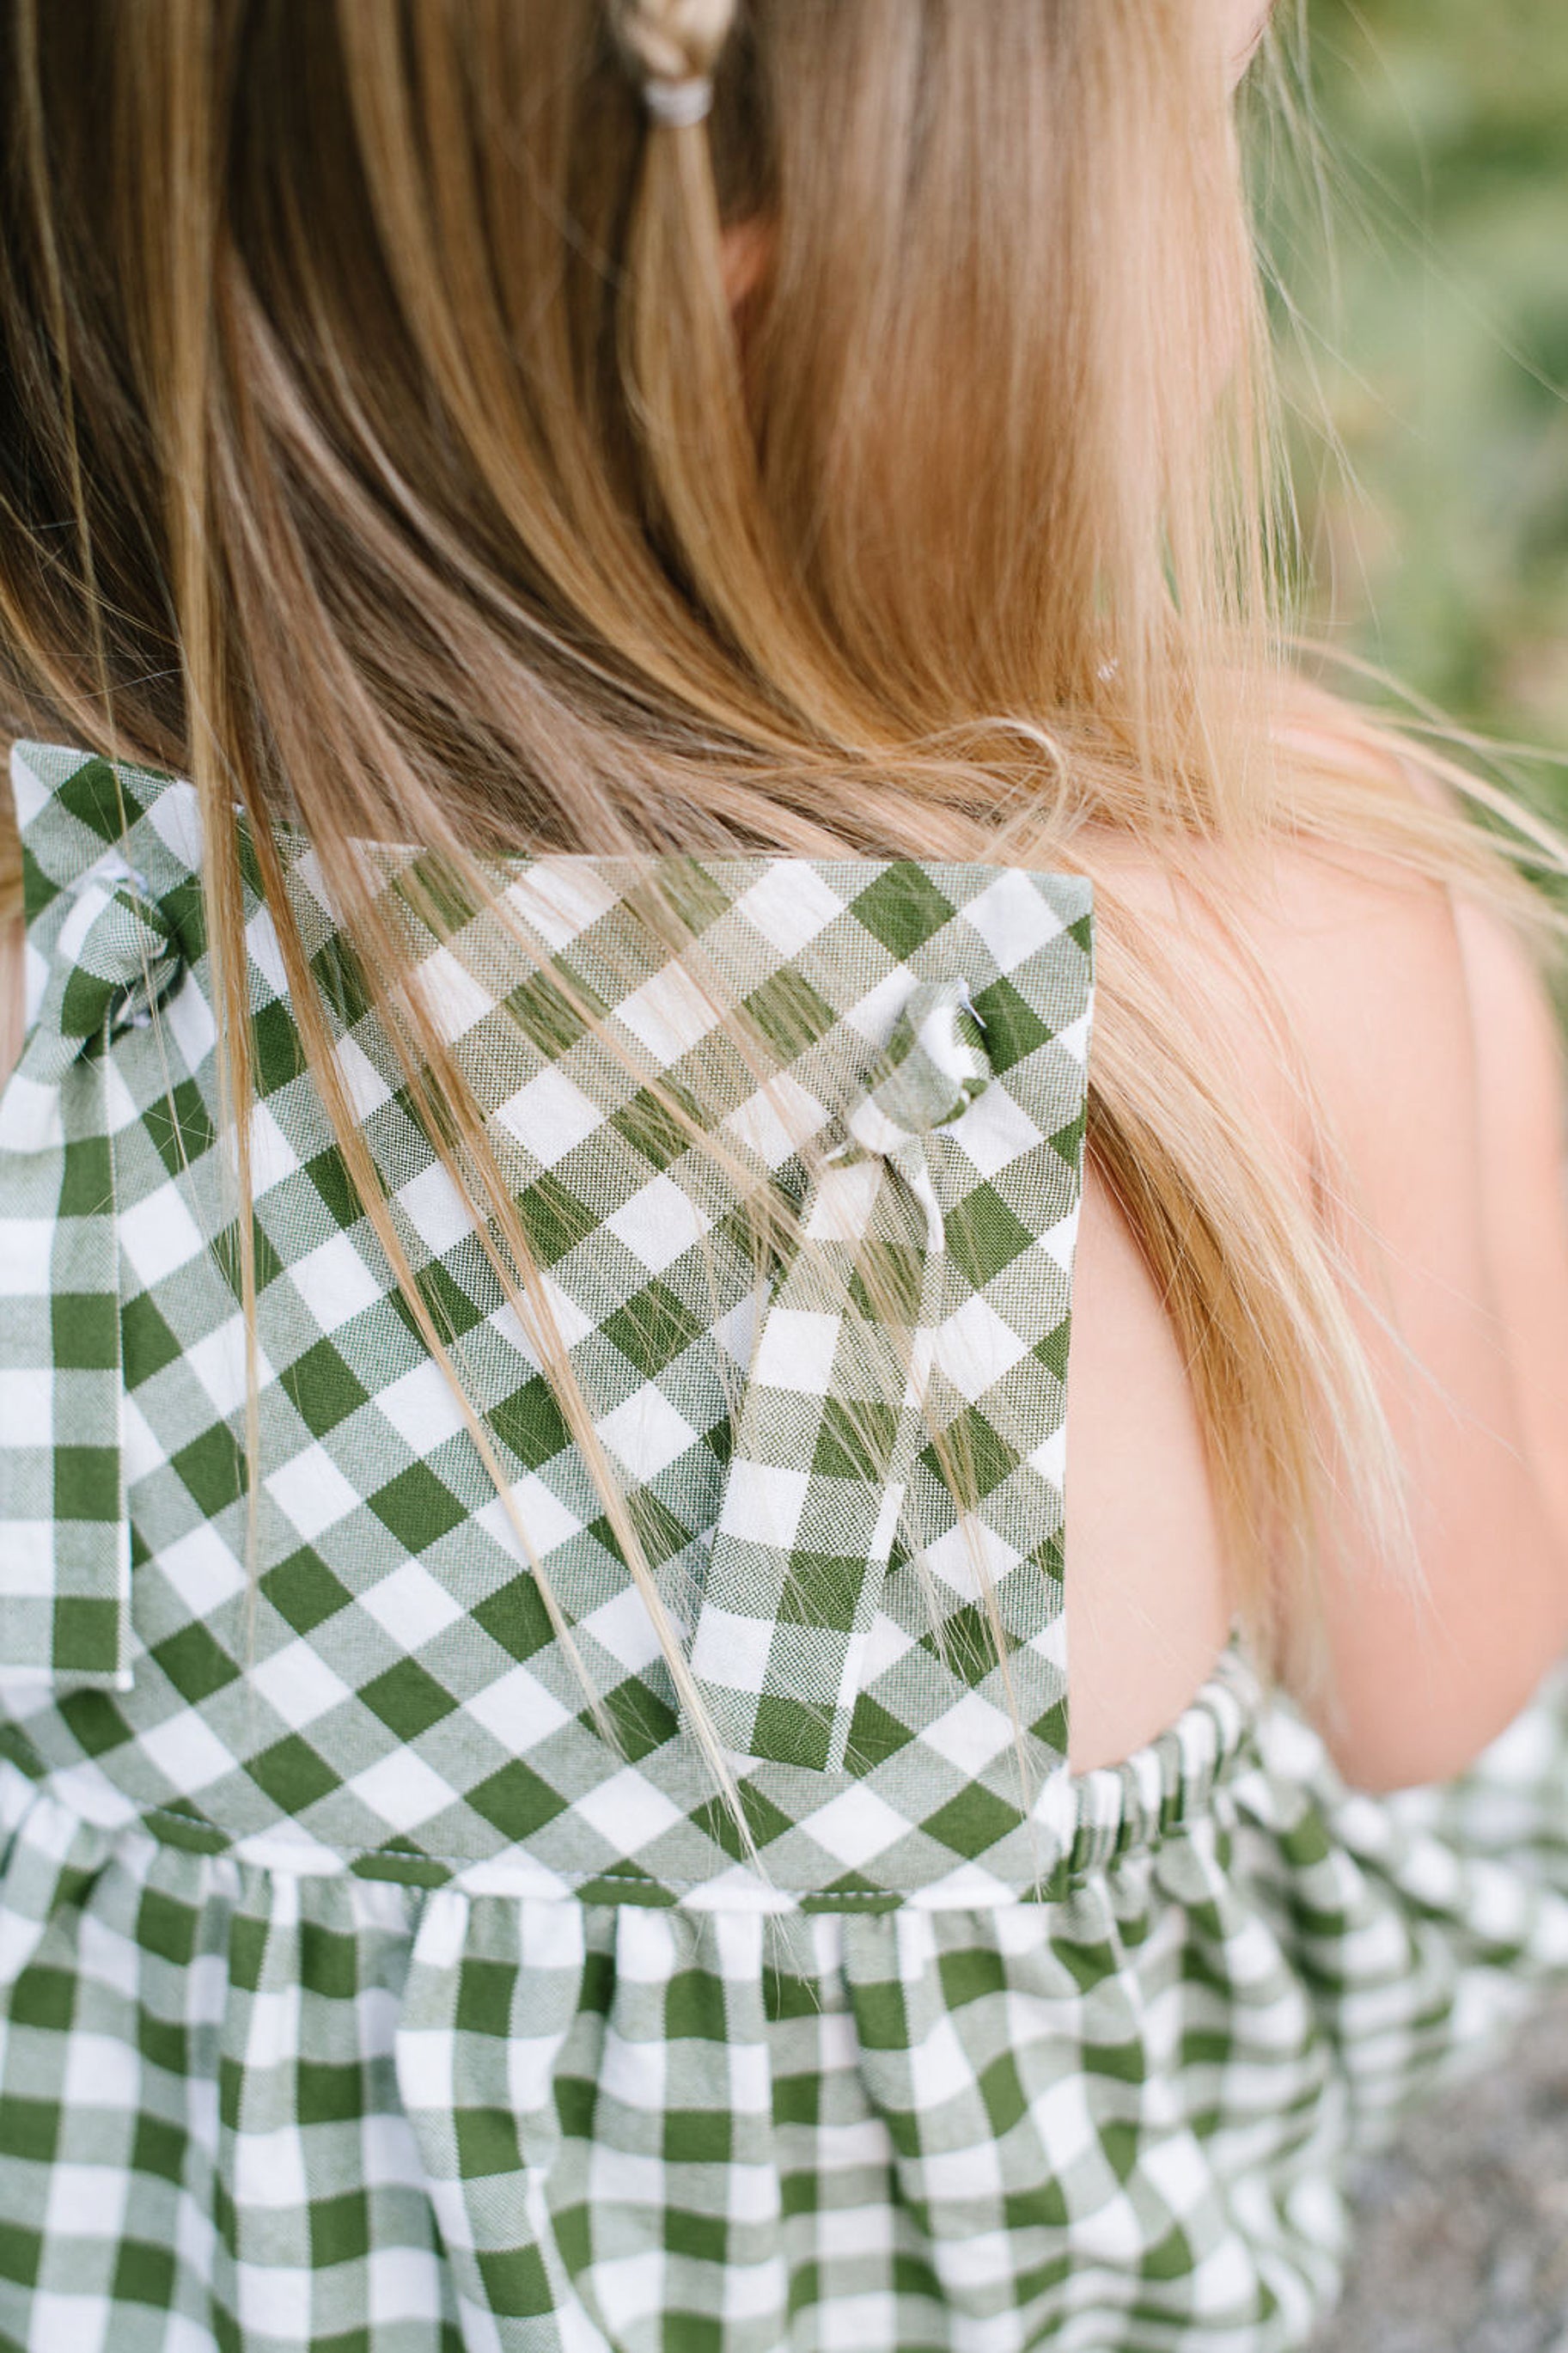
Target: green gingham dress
pixel 362 1988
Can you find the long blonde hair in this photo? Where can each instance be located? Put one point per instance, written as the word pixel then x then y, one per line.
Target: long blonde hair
pixel 380 449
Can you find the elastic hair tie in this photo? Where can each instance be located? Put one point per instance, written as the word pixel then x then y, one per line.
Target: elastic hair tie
pixel 678 104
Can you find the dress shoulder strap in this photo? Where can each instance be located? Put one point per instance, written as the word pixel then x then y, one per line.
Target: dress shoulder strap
pixel 112 894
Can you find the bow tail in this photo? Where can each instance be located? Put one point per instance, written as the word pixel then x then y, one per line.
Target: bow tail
pixel 64 1538
pixel 815 1487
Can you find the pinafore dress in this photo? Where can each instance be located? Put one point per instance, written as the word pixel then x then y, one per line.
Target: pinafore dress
pixel 364 1988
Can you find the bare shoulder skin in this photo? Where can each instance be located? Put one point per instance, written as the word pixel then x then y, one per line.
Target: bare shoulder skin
pixel 1428 1040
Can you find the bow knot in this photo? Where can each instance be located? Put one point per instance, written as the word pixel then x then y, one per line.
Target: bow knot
pixel 832 1414
pixel 122 959
pixel 928 1074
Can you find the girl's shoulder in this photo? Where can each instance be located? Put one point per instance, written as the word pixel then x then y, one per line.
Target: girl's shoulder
pixel 1392 1035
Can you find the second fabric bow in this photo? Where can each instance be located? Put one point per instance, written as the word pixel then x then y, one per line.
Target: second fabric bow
pixel 832 1412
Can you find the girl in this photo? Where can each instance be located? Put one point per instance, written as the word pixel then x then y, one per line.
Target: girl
pixel 638 592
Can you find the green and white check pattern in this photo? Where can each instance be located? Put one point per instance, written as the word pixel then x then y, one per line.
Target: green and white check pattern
pixel 406 1705
pixel 355 1995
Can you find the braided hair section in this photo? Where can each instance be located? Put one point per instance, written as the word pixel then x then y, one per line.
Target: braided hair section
pixel 672 47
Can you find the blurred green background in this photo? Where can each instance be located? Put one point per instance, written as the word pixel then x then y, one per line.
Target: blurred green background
pixel 1425 259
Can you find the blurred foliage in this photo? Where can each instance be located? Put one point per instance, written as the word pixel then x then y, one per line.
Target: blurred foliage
pixel 1421 244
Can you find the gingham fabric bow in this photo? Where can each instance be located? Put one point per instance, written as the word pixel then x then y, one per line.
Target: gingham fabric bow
pixel 65 1540
pixel 832 1414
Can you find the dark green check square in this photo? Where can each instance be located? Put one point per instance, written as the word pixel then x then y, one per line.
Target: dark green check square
pixel 642 1722
pixel 146 1341
pixel 280 1053
pixel 973 1973
pixel 797 2099
pixel 704 2239
pixel 967 1644
pixel 303 1590
pixel 650 1126
pixel 972 1821
pixel 21 2251
pixel 41 1996
pixel 213 1468
pixel 487 2143
pixel 790 1730
pixel 546 1015
pixel 184 911
pixel 229 1260
pixel 981 1457
pixel 28 2128
pixel 40 890
pixel 451 1309
pixel 330 2090
pixel 292 1775
pixel 179 1823
pixel 166 1927
pixel 85 1634
pixel 652 1329
pixel 822 1588
pixel 329 1173
pixel 159 2149
pixel 855 1439
pixel 340 978
pixel 1013 1026
pixel 516 1801
pixel 515 2281
pixel 691 2332
pixel 1174 2258
pixel 96 1724
pixel 328 1960
pixel 902 908
pixel 1068 1141
pixel 698 2135
pixel 84 1331
pixel 555 1219
pixel 340 2229
pixel 322 1388
pixel 684 892
pixel 418 1508
pixel 485 1995
pixel 764 1819
pixel 145 2274
pixel 87 1483
pixel 530 1423
pixel 875 1735
pixel 196 1663
pixel 515 1617
pixel 984 1235
pixel 694 2008
pixel 86 1178
pixel 408 1699
pixel 165 2043
pixel 435 895
pixel 791 1014
pixel 180 1127
pixel 102 799
pixel 661 1534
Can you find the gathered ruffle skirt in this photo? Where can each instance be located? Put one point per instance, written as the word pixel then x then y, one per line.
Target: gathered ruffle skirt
pixel 243 2107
